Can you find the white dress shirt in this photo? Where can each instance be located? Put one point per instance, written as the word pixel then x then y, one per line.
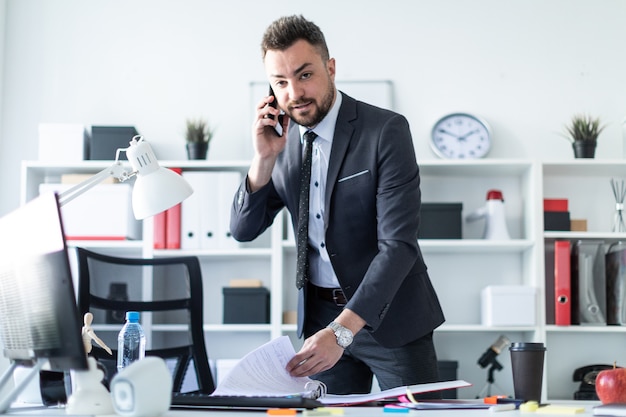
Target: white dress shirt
pixel 321 272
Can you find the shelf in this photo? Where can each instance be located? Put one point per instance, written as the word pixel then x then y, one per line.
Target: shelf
pixel 474 167
pixel 481 246
pixel 585 235
pixel 247 253
pixel 452 246
pixel 108 244
pixel 59 168
pixel 217 328
pixel 586 168
pixel 551 328
pixel 472 328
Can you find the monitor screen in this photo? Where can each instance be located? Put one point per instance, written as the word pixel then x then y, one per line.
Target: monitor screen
pixel 38 313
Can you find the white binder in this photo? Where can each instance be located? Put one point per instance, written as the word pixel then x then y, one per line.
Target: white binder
pixel 198 216
pixel 228 185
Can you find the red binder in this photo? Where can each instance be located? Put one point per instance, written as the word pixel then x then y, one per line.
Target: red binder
pixel 562 283
pixel 172 234
pixel 159 230
pixel 172 223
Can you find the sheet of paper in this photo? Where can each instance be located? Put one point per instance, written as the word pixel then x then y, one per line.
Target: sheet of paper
pixel 262 372
pixel 330 399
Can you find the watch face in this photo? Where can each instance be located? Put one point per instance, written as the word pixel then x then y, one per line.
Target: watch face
pixel 461 136
pixel 344 338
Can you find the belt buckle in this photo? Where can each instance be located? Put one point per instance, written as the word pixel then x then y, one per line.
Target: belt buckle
pixel 337 296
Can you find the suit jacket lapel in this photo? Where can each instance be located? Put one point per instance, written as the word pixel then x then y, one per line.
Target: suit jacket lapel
pixel 343 134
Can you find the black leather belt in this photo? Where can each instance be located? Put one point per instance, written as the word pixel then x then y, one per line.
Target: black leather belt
pixel 334 295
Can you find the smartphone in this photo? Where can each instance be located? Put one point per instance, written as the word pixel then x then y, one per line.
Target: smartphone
pixel 279 126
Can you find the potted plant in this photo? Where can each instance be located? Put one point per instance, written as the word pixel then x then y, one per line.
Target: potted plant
pixel 198 135
pixel 583 131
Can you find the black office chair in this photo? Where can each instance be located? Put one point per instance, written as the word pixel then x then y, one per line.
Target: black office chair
pixel 175 299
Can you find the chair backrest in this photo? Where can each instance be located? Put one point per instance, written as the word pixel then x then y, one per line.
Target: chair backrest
pixel 168 292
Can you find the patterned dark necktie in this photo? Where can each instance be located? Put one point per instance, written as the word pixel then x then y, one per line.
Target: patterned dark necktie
pixel 302 266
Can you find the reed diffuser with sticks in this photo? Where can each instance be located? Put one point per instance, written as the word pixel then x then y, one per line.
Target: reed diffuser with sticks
pixel 619 191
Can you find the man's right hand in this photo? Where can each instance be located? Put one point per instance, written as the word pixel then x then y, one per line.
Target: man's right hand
pixel 267 144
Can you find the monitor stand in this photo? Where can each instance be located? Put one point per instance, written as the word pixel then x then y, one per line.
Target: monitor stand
pixel 6 402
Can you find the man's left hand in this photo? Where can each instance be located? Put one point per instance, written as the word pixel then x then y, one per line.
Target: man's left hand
pixel 319 353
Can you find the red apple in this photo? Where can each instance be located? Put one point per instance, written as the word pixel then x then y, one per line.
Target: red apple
pixel 611 386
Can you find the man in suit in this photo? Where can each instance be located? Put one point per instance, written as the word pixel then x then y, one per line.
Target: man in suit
pixel 366 303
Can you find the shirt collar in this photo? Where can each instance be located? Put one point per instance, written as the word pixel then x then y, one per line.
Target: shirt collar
pixel 326 128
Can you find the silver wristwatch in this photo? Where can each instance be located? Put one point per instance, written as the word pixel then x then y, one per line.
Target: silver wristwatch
pixel 343 334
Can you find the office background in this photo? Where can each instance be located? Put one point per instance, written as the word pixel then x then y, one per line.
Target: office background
pixel 525 65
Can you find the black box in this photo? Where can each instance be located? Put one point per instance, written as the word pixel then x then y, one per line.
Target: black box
pixel 447 372
pixel 556 220
pixel 106 140
pixel 246 305
pixel 440 221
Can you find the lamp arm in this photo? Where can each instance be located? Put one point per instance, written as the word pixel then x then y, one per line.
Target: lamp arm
pixel 116 170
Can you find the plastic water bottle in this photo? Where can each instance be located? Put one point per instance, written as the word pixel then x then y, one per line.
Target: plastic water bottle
pixel 131 341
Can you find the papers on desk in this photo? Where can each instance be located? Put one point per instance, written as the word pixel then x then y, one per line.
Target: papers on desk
pixel 448 405
pixel 610 410
pixel 353 399
pixel 262 373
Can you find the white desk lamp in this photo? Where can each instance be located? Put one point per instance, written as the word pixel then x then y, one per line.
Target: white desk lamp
pixel 156 188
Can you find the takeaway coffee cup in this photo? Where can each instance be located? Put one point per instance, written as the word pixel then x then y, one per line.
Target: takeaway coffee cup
pixel 527 366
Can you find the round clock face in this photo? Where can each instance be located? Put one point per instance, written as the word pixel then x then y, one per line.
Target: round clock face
pixel 461 136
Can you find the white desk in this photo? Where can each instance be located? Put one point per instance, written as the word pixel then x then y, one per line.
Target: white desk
pixel 379 412
pixel 350 411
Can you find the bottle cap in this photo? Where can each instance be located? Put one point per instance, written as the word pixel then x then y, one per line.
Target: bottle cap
pixel 495 195
pixel 132 315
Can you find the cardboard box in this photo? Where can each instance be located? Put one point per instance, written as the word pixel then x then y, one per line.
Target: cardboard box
pixel 103 213
pixel 246 305
pixel 440 221
pixel 578 225
pixel 508 305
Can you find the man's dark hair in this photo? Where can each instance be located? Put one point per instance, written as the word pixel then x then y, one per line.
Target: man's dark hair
pixel 284 32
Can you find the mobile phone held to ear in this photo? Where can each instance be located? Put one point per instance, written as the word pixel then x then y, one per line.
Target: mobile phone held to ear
pixel 279 126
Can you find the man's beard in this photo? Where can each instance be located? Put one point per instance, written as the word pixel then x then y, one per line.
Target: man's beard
pixel 319 111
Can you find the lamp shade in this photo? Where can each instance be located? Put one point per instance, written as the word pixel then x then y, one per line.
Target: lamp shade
pixel 156 188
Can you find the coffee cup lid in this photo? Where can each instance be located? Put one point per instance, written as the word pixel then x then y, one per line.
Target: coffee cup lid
pixel 527 346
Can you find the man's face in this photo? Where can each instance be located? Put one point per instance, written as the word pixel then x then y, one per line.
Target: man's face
pixel 303 83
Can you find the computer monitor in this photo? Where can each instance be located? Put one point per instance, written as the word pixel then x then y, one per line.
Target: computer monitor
pixel 39 321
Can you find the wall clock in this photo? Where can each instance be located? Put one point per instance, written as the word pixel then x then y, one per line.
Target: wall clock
pixel 461 136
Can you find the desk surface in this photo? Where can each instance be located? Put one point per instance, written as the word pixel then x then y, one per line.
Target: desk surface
pixel 349 411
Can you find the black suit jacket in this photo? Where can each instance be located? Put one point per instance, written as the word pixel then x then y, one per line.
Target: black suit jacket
pixel 372 206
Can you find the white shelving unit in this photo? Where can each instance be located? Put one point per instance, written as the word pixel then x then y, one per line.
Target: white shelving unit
pixel 586 185
pixel 459 269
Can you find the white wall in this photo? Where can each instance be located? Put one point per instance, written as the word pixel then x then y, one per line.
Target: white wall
pixel 524 65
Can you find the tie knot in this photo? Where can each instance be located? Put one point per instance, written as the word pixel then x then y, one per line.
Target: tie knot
pixel 309 136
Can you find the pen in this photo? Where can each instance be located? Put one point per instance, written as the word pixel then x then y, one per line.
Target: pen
pixel 502 407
